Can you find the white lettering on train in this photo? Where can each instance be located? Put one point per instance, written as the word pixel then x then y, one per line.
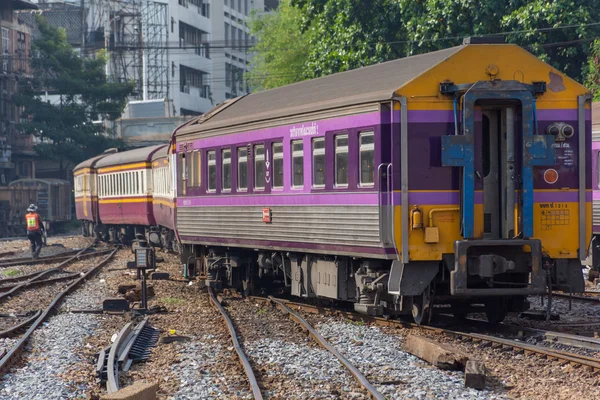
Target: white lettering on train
pixel 312 129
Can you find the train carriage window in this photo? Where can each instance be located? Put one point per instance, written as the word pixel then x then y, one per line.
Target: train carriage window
pixel 259 166
pixel 277 150
pixel 297 164
pixel 226 169
pixel 190 167
pixel 367 158
pixel 197 169
pixel 128 183
pixel 318 162
pixel 212 171
pixel 137 182
pixel 599 169
pixel 341 160
pixel 181 176
pixel 242 169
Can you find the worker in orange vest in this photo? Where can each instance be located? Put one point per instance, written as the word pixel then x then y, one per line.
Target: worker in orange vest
pixel 34 230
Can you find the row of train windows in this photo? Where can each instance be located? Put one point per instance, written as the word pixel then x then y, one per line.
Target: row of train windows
pixel 162 181
pixel 366 150
pixel 122 184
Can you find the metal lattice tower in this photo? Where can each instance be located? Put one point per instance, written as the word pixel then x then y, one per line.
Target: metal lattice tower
pixel 135 35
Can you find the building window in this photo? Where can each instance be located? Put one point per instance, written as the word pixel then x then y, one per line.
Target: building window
pixel 277 150
pixel 226 169
pixel 259 166
pixel 318 164
pixel 341 160
pixel 242 167
pixel 212 171
pixel 367 158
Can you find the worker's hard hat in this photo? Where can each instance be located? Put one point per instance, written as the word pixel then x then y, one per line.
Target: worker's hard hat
pixel 32 208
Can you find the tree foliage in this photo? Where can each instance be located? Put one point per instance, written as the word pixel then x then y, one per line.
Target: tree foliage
pixel 281 49
pixel 592 80
pixel 66 129
pixel 346 34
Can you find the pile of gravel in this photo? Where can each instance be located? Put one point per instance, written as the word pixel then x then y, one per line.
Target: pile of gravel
pixel 52 348
pixel 194 370
pixel 315 372
pixel 395 373
pixel 90 295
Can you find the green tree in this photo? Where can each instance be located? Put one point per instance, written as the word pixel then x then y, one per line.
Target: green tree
pixel 67 130
pixel 347 34
pixel 592 78
pixel 281 49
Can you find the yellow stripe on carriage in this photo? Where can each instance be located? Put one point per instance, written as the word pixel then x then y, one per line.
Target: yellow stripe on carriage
pixel 168 203
pixel 126 200
pixel 124 167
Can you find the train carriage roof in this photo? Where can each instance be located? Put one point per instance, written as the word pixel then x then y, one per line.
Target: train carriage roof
pixel 143 154
pixel 89 163
pixel 161 153
pixel 358 86
pixel 377 83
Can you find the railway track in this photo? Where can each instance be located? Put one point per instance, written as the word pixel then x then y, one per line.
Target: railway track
pixel 35 321
pixel 304 325
pixel 591 363
pixel 42 260
pixel 592 297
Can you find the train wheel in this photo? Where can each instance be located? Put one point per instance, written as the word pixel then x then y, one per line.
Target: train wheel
pixel 421 308
pixel 496 309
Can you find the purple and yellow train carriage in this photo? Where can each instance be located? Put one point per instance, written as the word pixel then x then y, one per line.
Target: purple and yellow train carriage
pixel 125 193
pixel 595 247
pixel 86 194
pixel 453 177
pixel 163 200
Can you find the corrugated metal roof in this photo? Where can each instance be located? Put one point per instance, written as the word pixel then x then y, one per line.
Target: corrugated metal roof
pixel 359 86
pixel 128 157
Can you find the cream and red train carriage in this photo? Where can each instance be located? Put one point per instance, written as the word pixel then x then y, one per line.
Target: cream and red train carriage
pixel 86 194
pixel 457 176
pixel 125 189
pixel 163 201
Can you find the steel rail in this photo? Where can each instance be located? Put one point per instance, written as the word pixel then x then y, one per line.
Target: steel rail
pixel 71 275
pixel 10 356
pixel 112 365
pixel 40 260
pixel 236 344
pixel 10 331
pixel 591 299
pixel 364 382
pixel 35 280
pixel 575 359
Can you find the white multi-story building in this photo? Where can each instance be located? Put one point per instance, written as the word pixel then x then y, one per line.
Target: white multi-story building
pixel 194 53
pixel 214 51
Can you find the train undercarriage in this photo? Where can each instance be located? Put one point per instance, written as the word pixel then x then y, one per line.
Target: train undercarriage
pixel 157 236
pixel 496 285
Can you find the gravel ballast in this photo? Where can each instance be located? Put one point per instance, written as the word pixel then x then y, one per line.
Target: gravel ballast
pixel 52 350
pixel 395 373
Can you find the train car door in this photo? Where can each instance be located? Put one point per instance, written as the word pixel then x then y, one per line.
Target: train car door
pixel 500 139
